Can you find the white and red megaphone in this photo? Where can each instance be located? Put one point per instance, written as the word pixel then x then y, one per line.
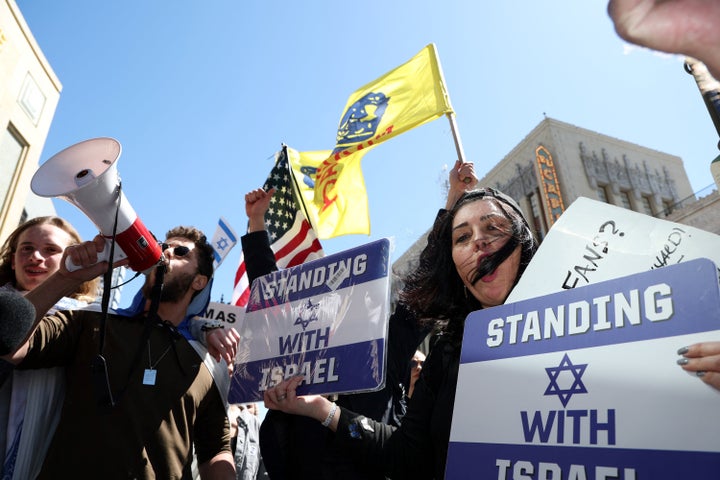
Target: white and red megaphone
pixel 85 175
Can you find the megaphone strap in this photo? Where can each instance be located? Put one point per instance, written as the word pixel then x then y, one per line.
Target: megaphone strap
pixel 107 277
pixel 103 389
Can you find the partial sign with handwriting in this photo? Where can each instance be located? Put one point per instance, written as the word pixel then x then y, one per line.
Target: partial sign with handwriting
pixel 594 241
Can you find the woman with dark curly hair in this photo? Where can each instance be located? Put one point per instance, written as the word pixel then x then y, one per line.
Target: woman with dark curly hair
pixel 475 255
pixel 30 401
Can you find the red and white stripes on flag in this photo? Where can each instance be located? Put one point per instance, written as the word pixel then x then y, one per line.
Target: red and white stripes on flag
pixel 292 238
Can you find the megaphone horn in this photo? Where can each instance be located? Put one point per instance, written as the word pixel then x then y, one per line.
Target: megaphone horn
pixel 85 174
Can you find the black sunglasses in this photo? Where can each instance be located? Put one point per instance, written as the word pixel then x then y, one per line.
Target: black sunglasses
pixel 415 363
pixel 178 251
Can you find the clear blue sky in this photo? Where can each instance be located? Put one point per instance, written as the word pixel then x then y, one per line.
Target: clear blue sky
pixel 201 95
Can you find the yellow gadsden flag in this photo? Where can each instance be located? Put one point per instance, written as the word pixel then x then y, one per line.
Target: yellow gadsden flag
pixel 404 98
pixel 349 213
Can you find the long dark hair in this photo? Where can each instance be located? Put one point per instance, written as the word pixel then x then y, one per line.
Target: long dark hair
pixel 435 292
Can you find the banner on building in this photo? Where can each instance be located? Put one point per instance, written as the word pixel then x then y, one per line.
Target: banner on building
pixel 326 319
pixel 550 184
pixel 584 384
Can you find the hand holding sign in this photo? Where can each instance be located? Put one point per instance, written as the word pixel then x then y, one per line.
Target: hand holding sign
pixel 284 397
pixel 300 322
pixel 703 359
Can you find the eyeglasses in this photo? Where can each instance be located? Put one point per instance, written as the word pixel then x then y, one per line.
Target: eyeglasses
pixel 178 251
pixel 416 363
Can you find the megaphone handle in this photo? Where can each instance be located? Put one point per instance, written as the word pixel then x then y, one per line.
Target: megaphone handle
pixel 102 256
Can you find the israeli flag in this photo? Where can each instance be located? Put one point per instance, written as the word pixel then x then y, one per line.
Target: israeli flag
pixel 223 241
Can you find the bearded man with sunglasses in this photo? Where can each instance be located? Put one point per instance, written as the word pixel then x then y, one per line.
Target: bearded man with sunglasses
pixel 140 397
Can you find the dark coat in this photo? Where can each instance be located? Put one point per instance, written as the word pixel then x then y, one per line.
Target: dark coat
pixel 418 448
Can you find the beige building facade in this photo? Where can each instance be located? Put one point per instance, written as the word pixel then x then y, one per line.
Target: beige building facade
pixel 29 94
pixel 558 162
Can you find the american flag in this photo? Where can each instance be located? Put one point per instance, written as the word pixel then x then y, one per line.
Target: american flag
pixel 292 238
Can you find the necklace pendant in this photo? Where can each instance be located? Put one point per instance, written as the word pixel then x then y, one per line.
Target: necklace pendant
pixel 149 376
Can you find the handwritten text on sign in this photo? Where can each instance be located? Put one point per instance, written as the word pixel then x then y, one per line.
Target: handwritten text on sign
pixel 594 241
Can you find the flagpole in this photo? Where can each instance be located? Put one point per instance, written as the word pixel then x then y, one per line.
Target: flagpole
pixel 710 90
pixel 298 196
pixel 456 136
pixel 450 114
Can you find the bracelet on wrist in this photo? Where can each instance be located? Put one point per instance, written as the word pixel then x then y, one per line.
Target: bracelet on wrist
pixel 328 420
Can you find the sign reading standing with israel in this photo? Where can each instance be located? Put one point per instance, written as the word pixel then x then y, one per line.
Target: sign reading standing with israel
pixel 326 320
pixel 583 384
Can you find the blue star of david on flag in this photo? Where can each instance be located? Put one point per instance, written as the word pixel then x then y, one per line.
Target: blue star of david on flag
pixel 308 313
pixel 576 371
pixel 222 244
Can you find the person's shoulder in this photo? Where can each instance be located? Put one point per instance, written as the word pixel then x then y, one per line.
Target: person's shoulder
pixel 210 372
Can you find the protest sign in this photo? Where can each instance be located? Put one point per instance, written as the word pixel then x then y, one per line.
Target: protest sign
pixel 229 314
pixel 594 241
pixel 583 384
pixel 326 320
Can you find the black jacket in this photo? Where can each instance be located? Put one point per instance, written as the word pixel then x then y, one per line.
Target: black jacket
pixel 418 448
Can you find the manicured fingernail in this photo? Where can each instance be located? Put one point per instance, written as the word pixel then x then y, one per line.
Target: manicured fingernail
pixel 683 351
pixel 682 361
pixel 700 374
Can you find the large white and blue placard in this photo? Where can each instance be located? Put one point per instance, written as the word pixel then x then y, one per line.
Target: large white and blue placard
pixel 326 319
pixel 584 384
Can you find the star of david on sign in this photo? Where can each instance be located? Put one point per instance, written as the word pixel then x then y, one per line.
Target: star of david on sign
pixel 307 314
pixel 554 373
pixel 222 244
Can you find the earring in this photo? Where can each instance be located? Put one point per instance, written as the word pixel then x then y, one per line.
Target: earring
pixel 465 288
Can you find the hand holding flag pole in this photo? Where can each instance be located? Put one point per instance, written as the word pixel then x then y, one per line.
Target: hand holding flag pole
pixel 292 238
pixel 710 90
